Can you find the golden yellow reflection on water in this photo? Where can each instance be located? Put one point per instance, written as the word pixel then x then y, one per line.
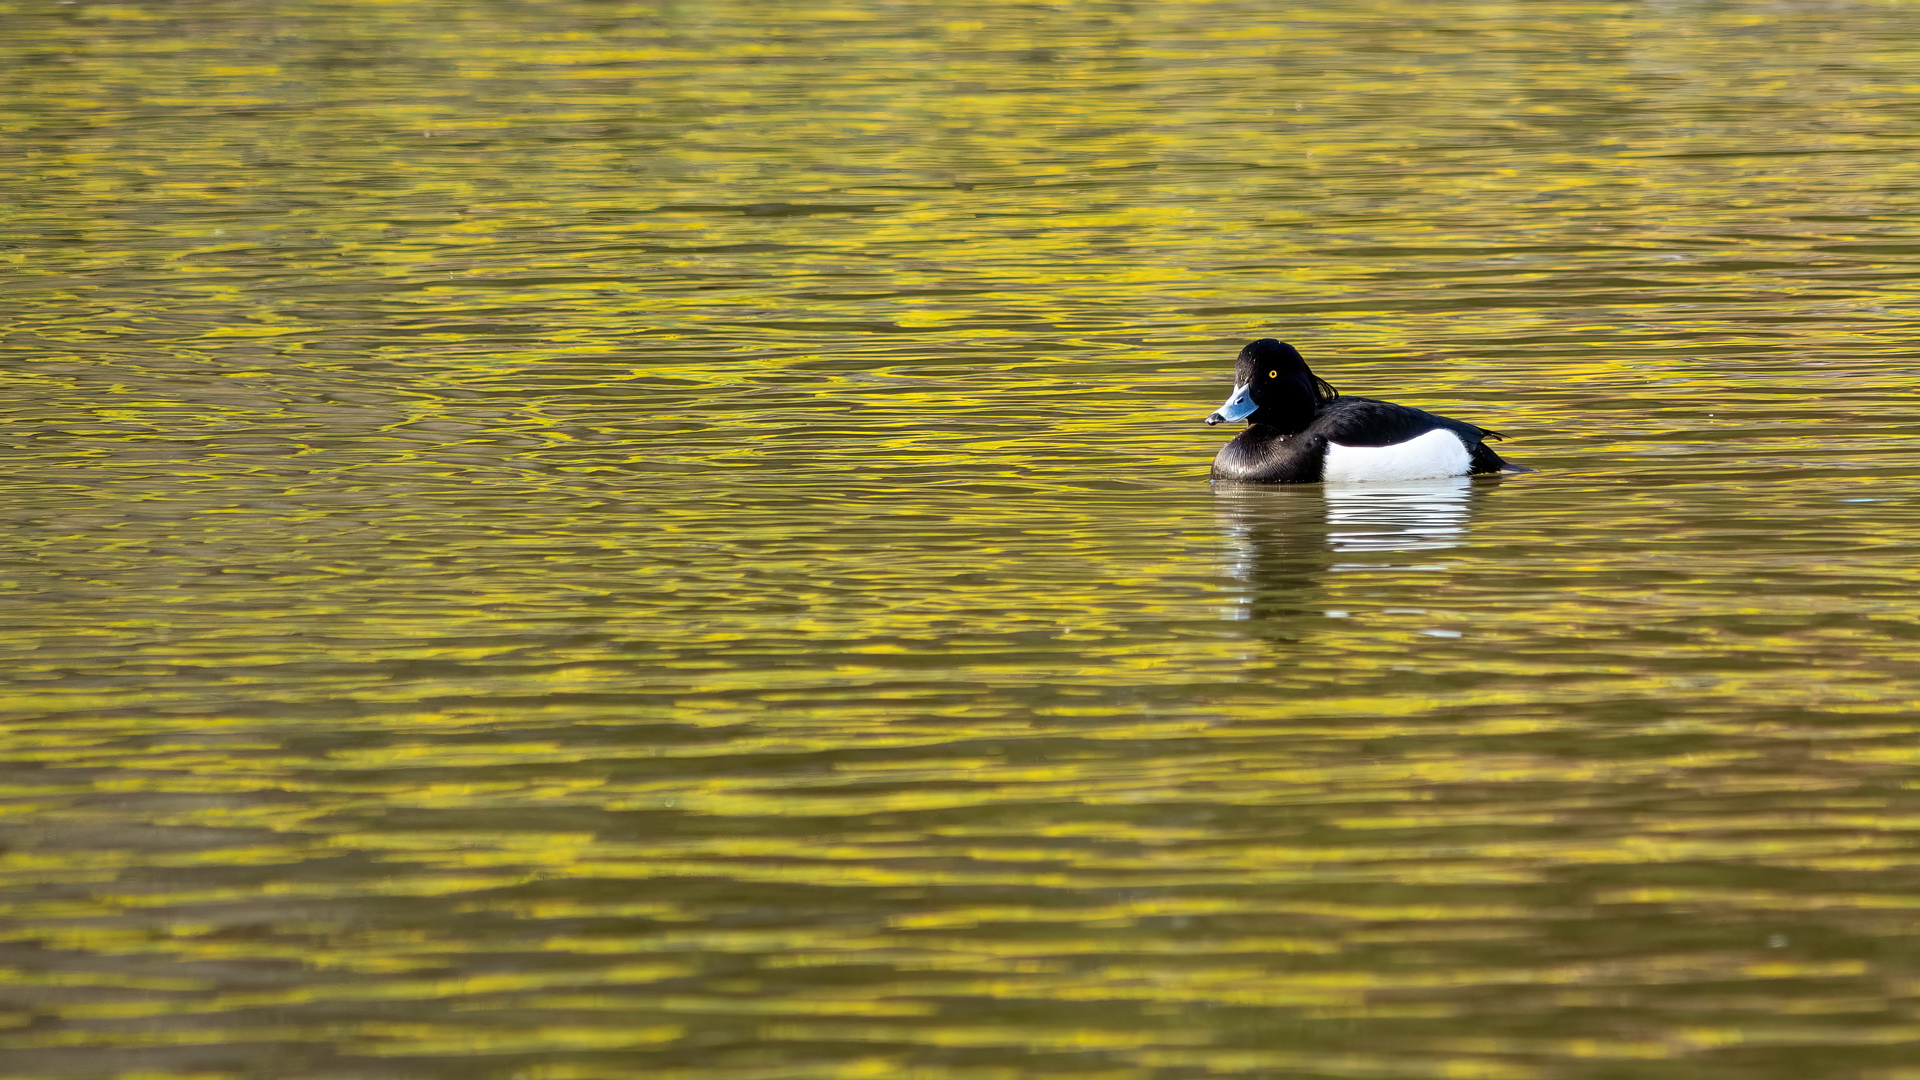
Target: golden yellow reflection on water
pixel 595 540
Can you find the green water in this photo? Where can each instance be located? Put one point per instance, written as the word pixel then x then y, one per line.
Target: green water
pixel 589 540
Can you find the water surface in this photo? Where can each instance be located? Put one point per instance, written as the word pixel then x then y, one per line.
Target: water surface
pixel 603 540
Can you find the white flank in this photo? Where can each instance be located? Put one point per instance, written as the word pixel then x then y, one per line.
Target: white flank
pixel 1431 456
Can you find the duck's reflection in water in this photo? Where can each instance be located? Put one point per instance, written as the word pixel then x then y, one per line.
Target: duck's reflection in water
pixel 1412 515
pixel 1284 541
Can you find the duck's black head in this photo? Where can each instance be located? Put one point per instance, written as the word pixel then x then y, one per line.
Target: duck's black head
pixel 1273 385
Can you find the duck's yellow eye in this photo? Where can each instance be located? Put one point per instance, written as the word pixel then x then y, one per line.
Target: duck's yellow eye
pixel 1273 374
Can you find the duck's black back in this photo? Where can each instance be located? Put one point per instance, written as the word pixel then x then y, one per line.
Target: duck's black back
pixel 1357 421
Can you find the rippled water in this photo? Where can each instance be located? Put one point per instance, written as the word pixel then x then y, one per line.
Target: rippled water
pixel 601 540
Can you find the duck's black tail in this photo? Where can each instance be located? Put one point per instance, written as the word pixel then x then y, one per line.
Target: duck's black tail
pixel 1486 461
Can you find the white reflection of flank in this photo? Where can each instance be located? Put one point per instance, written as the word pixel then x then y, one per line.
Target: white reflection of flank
pixel 1407 515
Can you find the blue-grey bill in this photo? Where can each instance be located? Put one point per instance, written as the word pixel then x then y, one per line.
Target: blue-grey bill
pixel 1238 407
